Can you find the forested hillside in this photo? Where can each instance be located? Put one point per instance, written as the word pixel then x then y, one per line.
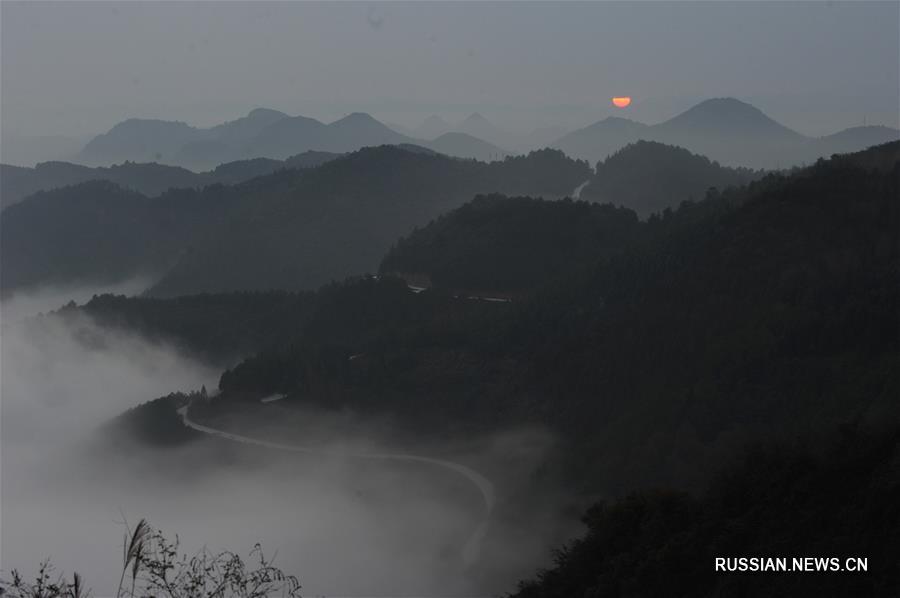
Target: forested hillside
pixel 216 328
pixel 761 313
pixel 841 502
pixel 293 229
pixel 151 179
pixel 649 177
pixel 98 233
pixel 511 244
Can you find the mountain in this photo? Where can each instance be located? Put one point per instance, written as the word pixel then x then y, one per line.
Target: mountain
pixel 649 177
pixel 732 132
pixel 292 229
pixel 178 143
pixel 727 130
pixel 16 182
pixel 478 126
pixel 338 219
pixel 654 363
pixel 461 145
pixel 241 130
pixel 151 179
pixel 498 246
pixel 286 137
pixel 264 133
pixel 140 140
pixel 854 138
pixel 97 232
pixel 360 130
pixel 355 131
pixel 505 246
pixel 227 142
pixel 763 315
pixel 603 138
pixel 665 543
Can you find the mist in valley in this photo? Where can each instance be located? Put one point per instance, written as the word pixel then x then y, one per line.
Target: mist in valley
pixel 344 525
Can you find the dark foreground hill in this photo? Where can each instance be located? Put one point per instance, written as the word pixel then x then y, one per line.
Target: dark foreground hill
pixel 764 315
pixel 758 314
pixel 293 229
pixel 842 502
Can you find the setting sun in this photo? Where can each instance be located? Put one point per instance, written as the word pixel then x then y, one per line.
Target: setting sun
pixel 621 102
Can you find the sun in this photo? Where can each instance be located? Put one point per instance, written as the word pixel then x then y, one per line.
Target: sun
pixel 621 102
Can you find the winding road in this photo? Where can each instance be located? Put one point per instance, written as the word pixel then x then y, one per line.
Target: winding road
pixel 470 550
pixel 576 194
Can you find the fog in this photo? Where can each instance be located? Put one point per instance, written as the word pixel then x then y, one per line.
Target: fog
pixel 345 526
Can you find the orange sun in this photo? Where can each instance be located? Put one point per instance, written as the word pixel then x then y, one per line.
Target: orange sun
pixel 621 102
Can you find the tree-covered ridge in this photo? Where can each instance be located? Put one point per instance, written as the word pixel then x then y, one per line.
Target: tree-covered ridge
pixel 497 244
pixel 763 312
pixel 218 329
pixel 292 229
pixel 97 232
pixel 649 177
pixel 842 501
pixel 340 218
pixel 17 183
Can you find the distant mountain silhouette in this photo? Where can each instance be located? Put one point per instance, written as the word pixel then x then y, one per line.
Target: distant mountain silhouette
pixel 854 138
pixel 359 130
pixel 355 131
pixel 733 132
pixel 599 140
pixel 724 129
pixel 141 140
pixel 478 126
pixel 262 133
pixel 279 139
pixel 246 128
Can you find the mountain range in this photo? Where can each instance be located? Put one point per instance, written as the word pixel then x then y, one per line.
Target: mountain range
pixel 291 229
pixel 478 126
pixel 18 182
pixel 262 133
pixel 723 129
pixel 727 130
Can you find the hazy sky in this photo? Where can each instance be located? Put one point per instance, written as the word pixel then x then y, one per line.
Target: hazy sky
pixel 77 68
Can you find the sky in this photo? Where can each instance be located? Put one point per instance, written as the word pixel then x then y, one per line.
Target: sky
pixel 77 68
